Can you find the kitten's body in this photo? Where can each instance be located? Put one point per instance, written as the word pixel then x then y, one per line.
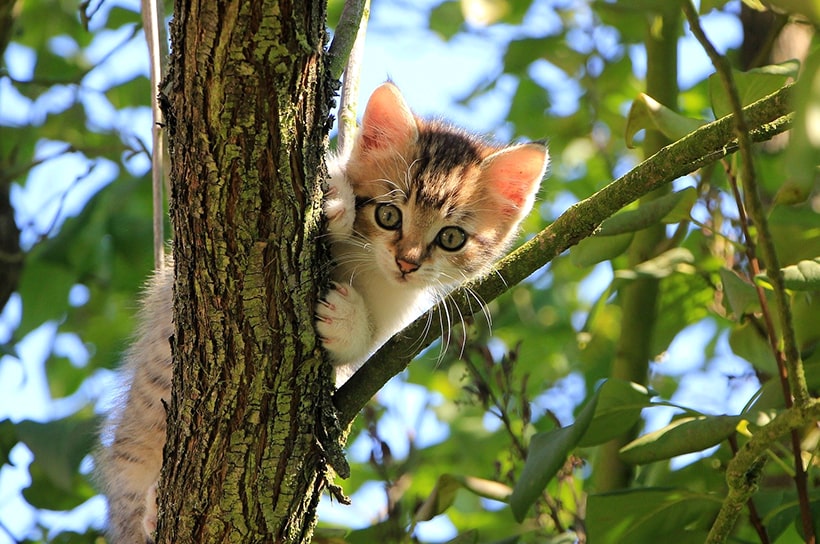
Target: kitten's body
pixel 416 209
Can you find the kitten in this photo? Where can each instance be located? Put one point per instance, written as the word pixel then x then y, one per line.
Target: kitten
pixel 416 209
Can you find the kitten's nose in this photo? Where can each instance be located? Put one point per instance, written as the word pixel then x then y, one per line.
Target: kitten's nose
pixel 406 266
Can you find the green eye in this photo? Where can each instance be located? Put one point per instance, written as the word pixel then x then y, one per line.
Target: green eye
pixel 388 216
pixel 451 238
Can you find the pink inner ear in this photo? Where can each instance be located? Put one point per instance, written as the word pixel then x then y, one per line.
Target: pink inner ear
pixel 387 121
pixel 515 173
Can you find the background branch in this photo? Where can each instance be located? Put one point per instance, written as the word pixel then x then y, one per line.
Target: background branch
pixel 344 37
pixel 349 100
pixel 153 22
pixel 743 471
pixel 767 117
pixel 790 365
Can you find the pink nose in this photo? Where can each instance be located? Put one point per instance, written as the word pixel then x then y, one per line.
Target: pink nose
pixel 406 266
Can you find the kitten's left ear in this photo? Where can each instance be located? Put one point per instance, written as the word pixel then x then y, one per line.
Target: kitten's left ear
pixel 387 123
pixel 515 174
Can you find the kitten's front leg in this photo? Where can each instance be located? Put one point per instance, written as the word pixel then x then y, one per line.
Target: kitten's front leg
pixel 343 323
pixel 149 517
pixel 340 204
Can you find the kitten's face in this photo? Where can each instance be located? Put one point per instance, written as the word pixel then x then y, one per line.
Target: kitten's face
pixel 428 212
pixel 435 206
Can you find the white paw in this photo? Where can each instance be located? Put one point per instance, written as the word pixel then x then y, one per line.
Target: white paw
pixel 149 517
pixel 340 205
pixel 343 325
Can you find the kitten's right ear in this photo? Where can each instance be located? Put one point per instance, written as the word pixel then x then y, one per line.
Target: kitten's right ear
pixel 387 122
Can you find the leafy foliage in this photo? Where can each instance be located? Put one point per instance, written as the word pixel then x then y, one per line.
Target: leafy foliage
pixel 502 437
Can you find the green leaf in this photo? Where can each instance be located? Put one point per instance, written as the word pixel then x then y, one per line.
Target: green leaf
pixel 43 287
pixel 615 234
pixel 528 109
pixel 132 93
pixel 384 531
pixel 747 341
pixel 444 494
pixel 630 17
pixel 469 537
pixel 796 232
pixel 770 395
pixel 63 377
pixel 803 151
pixel 547 453
pixel 684 435
pixel 683 300
pixel 487 12
pixel 89 537
pixel 619 407
pixel 739 296
pixel 809 8
pixel 708 5
pixel 803 276
pixel 751 85
pixel 58 447
pixel 756 5
pixel 44 492
pixel 671 208
pixel 805 309
pixel 70 69
pixel 8 439
pixel 677 259
pixel 649 515
pixel 596 249
pixel 647 113
pixel 119 16
pixel 446 19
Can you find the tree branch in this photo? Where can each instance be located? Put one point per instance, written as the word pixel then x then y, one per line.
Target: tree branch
pixel 344 37
pixel 349 99
pixel 153 21
pixel 789 362
pixel 742 472
pixel 767 117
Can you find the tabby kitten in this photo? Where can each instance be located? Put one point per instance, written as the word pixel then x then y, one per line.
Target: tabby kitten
pixel 417 208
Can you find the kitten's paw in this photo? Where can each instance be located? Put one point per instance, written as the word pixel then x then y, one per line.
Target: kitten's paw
pixel 149 517
pixel 343 324
pixel 340 206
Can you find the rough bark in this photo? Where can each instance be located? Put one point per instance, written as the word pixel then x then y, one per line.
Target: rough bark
pixel 246 115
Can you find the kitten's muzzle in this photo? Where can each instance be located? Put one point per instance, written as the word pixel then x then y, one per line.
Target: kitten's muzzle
pixel 406 266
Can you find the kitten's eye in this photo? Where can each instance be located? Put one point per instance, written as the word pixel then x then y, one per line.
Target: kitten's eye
pixel 451 238
pixel 388 216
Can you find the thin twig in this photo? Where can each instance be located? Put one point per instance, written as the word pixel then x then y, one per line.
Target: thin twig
pixel 751 255
pixel 153 21
pixel 754 207
pixel 344 36
pixel 349 101
pixel 793 364
pixel 754 516
pixel 523 451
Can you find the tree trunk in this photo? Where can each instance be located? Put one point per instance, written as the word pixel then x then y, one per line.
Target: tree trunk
pixel 247 119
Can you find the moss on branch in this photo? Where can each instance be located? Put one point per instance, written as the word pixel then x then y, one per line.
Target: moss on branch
pixel 765 118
